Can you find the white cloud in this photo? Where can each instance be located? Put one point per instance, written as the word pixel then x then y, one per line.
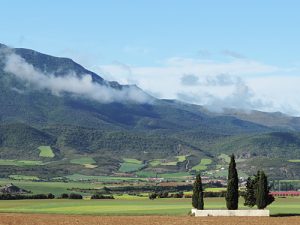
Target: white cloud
pixel 238 83
pixel 282 90
pixel 79 86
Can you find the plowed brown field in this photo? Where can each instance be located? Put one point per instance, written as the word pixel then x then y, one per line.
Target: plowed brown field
pixel 41 219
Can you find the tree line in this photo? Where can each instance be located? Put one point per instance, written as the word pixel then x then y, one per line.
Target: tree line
pixel 257 190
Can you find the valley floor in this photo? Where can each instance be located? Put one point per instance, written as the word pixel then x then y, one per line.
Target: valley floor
pixel 42 219
pixel 130 206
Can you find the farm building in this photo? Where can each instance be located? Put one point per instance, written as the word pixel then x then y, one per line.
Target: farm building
pixel 12 189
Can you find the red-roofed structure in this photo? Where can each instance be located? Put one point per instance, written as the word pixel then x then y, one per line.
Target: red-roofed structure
pixel 285 193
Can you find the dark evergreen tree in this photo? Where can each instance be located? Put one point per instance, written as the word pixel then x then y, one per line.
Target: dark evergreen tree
pixel 250 193
pixel 263 197
pixel 232 194
pixel 197 198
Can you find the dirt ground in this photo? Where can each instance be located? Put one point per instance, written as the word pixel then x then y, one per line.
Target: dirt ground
pixel 42 219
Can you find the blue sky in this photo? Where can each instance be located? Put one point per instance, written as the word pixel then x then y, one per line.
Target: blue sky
pixel 160 44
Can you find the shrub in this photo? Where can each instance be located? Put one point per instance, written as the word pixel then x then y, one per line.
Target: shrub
pixel 163 194
pixel 152 196
pixel 20 197
pixel 64 195
pixel 38 196
pixel 177 195
pixel 75 196
pixel 100 196
pixel 51 196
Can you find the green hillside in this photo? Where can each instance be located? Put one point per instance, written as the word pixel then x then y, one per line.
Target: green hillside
pixel 274 144
pixel 157 133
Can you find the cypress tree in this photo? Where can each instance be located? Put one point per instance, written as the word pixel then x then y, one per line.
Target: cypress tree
pixel 197 198
pixel 232 194
pixel 251 189
pixel 263 197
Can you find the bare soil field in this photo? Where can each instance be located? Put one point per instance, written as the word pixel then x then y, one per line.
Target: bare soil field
pixel 47 219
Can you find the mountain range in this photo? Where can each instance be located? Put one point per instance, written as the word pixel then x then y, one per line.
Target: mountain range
pixel 55 102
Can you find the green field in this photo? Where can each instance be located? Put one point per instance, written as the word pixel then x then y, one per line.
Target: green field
pixel 142 206
pixel 173 163
pixel 88 162
pixel 225 158
pixel 202 165
pixel 130 165
pixel 180 158
pixel 80 177
pixel 294 160
pixel 162 162
pixel 55 188
pixel 155 162
pixel 23 177
pixel 173 176
pixel 46 151
pixel 179 175
pixel 216 189
pixel 146 173
pixel 134 161
pixel 11 162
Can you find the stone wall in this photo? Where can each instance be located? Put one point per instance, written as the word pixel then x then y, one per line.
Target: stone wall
pixel 251 212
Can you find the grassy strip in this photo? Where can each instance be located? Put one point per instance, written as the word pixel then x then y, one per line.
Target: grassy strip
pixel 23 177
pixel 133 161
pixel 294 160
pixel 11 162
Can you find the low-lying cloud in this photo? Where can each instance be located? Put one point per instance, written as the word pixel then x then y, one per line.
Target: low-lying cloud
pixel 217 80
pixel 189 80
pixel 71 83
pixel 238 82
pixel 240 96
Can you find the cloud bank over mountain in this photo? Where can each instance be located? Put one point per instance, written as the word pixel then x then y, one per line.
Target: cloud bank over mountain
pixel 71 83
pixel 239 82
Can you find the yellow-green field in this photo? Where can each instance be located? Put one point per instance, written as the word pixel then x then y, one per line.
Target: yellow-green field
pixel 202 165
pixel 46 151
pixel 294 160
pixel 87 162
